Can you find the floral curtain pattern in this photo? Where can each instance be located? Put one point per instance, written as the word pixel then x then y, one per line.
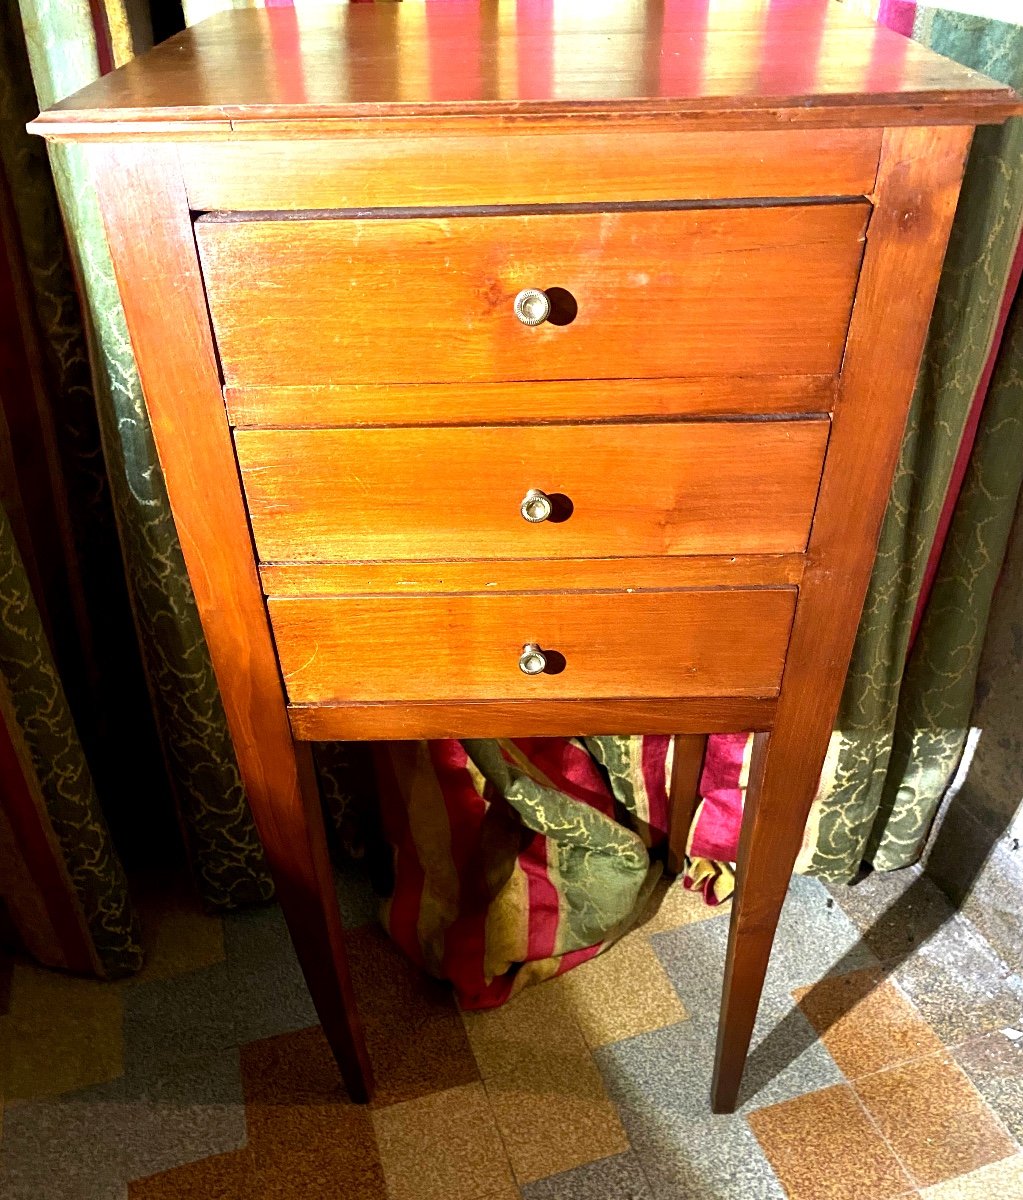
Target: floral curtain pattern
pixel 200 760
pixel 60 782
pixel 893 753
pixel 49 795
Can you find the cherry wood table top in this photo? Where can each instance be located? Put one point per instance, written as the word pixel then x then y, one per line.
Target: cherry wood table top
pixel 749 63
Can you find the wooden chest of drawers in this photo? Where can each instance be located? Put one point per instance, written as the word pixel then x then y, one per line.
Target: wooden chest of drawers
pixel 502 401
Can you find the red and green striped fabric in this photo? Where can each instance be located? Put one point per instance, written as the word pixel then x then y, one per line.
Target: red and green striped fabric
pixel 515 860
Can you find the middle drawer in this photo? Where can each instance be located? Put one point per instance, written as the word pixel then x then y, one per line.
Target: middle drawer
pixel 721 487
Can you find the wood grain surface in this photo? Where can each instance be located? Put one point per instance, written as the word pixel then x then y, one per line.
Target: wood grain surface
pixel 527 403
pixel 685 488
pixel 687 754
pixel 525 575
pixel 539 166
pixel 732 291
pixel 746 60
pixel 526 718
pixel 682 643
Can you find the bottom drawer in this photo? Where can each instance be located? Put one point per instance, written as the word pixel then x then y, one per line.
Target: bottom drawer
pixel 596 644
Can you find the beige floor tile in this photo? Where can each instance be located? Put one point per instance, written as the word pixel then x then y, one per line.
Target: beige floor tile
pixel 506 1190
pixel 999 1181
pixel 231 1176
pixel 671 906
pixel 443 1147
pixel 534 1025
pixel 934 1118
pixel 621 993
pixel 866 1023
pixel 415 1037
pixel 60 1034
pixel 556 1116
pixel 306 1137
pixel 823 1146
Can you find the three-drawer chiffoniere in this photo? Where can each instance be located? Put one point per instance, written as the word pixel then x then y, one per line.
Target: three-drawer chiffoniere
pixel 530 367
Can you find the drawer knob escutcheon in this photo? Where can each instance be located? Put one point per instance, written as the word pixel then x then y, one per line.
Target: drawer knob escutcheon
pixel 532 660
pixel 532 307
pixel 535 506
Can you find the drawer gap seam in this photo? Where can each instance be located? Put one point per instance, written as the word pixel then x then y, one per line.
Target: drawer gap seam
pixel 580 208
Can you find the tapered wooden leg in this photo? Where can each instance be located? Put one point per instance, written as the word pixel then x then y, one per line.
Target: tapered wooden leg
pixel 772 831
pixel 304 878
pixel 914 200
pixel 149 231
pixel 683 795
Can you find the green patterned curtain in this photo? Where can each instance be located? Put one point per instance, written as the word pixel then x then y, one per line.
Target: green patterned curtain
pixel 65 55
pixel 902 726
pixel 69 680
pixel 68 807
pixel 900 732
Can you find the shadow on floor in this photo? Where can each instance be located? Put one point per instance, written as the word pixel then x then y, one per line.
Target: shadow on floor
pixel 894 932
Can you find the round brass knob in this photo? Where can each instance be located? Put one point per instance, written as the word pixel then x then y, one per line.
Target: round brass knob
pixel 532 660
pixel 532 306
pixel 535 506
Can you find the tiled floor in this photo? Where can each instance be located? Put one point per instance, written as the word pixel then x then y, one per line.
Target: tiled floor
pixel 888 1062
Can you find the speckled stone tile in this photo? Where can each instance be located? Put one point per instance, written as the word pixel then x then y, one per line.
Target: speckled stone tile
pixel 617 1178
pixel 621 993
pixel 823 1146
pixel 191 1014
pixel 934 1119
pixel 414 1033
pixel 669 1071
pixel 1000 1181
pixel 269 991
pixel 994 1063
pixel 672 905
pixel 60 1034
pixel 177 935
pixel 188 1112
pixel 89 1144
pixel 66 1148
pixel 555 1116
pixel 444 1147
pixel 221 1177
pixel 866 1022
pixel 895 911
pixel 991 901
pixel 693 958
pixel 716 1158
pixel 814 938
pixel 534 1025
pixel 959 985
pixel 306 1138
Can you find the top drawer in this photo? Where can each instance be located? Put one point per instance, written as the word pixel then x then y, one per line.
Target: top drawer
pixel 635 294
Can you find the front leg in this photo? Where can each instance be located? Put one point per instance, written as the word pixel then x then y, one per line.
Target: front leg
pixel 773 820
